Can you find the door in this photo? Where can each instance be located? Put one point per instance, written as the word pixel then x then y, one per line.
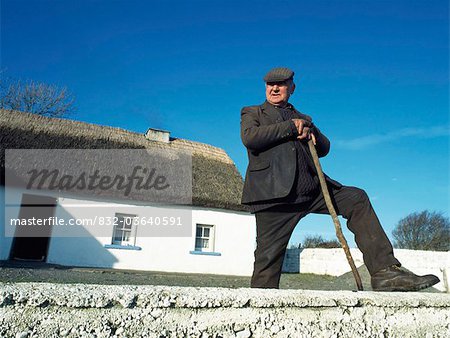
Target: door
pixel 31 240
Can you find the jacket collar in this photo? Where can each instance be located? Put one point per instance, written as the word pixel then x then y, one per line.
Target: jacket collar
pixel 273 111
pixel 268 106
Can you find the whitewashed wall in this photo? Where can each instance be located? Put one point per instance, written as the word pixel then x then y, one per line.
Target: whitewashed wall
pixel 291 263
pixel 234 240
pixel 235 235
pixel 333 262
pixel 5 242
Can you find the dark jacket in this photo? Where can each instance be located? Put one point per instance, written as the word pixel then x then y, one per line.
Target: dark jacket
pixel 271 152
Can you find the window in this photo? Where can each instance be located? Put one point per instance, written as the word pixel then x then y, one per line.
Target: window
pixel 204 238
pixel 124 230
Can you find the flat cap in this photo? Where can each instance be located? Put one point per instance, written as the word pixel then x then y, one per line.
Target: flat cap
pixel 279 74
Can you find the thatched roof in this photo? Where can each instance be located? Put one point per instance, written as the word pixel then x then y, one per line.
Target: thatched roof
pixel 216 181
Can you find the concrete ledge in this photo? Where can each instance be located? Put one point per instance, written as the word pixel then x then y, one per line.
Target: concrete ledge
pixel 53 310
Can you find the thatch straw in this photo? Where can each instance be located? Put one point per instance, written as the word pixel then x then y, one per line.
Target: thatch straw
pixel 216 180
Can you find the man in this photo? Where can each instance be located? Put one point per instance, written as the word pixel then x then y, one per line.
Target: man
pixel 281 186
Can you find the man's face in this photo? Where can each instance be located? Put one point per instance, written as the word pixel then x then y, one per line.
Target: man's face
pixel 278 93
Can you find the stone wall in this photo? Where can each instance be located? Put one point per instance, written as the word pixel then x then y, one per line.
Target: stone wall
pixel 50 310
pixel 291 261
pixel 334 263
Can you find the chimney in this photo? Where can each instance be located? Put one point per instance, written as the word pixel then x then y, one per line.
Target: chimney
pixel 159 135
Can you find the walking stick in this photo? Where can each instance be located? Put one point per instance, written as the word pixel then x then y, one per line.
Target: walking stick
pixel 337 224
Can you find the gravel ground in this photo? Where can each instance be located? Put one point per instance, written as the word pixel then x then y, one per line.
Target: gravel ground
pixel 41 272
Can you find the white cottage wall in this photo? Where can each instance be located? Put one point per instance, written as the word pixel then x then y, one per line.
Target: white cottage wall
pixel 234 242
pixel 6 242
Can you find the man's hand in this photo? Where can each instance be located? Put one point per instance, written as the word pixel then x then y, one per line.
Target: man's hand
pixel 304 130
pixel 302 127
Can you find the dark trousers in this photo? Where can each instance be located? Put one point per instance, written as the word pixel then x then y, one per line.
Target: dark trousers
pixel 274 227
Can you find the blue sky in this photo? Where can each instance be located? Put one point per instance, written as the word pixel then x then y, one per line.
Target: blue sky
pixel 372 74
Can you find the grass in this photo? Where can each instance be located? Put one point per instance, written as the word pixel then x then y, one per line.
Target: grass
pixel 39 272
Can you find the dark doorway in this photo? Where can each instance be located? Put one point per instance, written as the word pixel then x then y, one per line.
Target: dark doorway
pixel 30 240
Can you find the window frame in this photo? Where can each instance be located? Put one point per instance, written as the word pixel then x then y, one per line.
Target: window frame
pixel 210 238
pixel 131 242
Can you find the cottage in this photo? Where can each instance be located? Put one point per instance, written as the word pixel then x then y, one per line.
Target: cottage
pixel 214 232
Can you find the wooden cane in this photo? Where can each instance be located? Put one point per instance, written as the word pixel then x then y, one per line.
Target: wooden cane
pixel 331 209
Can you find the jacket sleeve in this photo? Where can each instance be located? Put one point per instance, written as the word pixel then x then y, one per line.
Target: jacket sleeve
pixel 257 137
pixel 322 142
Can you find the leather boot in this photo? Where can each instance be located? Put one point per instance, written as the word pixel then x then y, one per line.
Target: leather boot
pixel 394 278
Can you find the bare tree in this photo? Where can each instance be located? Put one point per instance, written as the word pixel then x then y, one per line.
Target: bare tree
pixel 423 231
pixel 318 241
pixel 34 97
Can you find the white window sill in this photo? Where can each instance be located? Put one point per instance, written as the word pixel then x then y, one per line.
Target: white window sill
pixel 122 247
pixel 206 253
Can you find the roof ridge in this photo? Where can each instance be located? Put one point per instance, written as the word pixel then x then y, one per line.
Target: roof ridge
pixel 109 132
